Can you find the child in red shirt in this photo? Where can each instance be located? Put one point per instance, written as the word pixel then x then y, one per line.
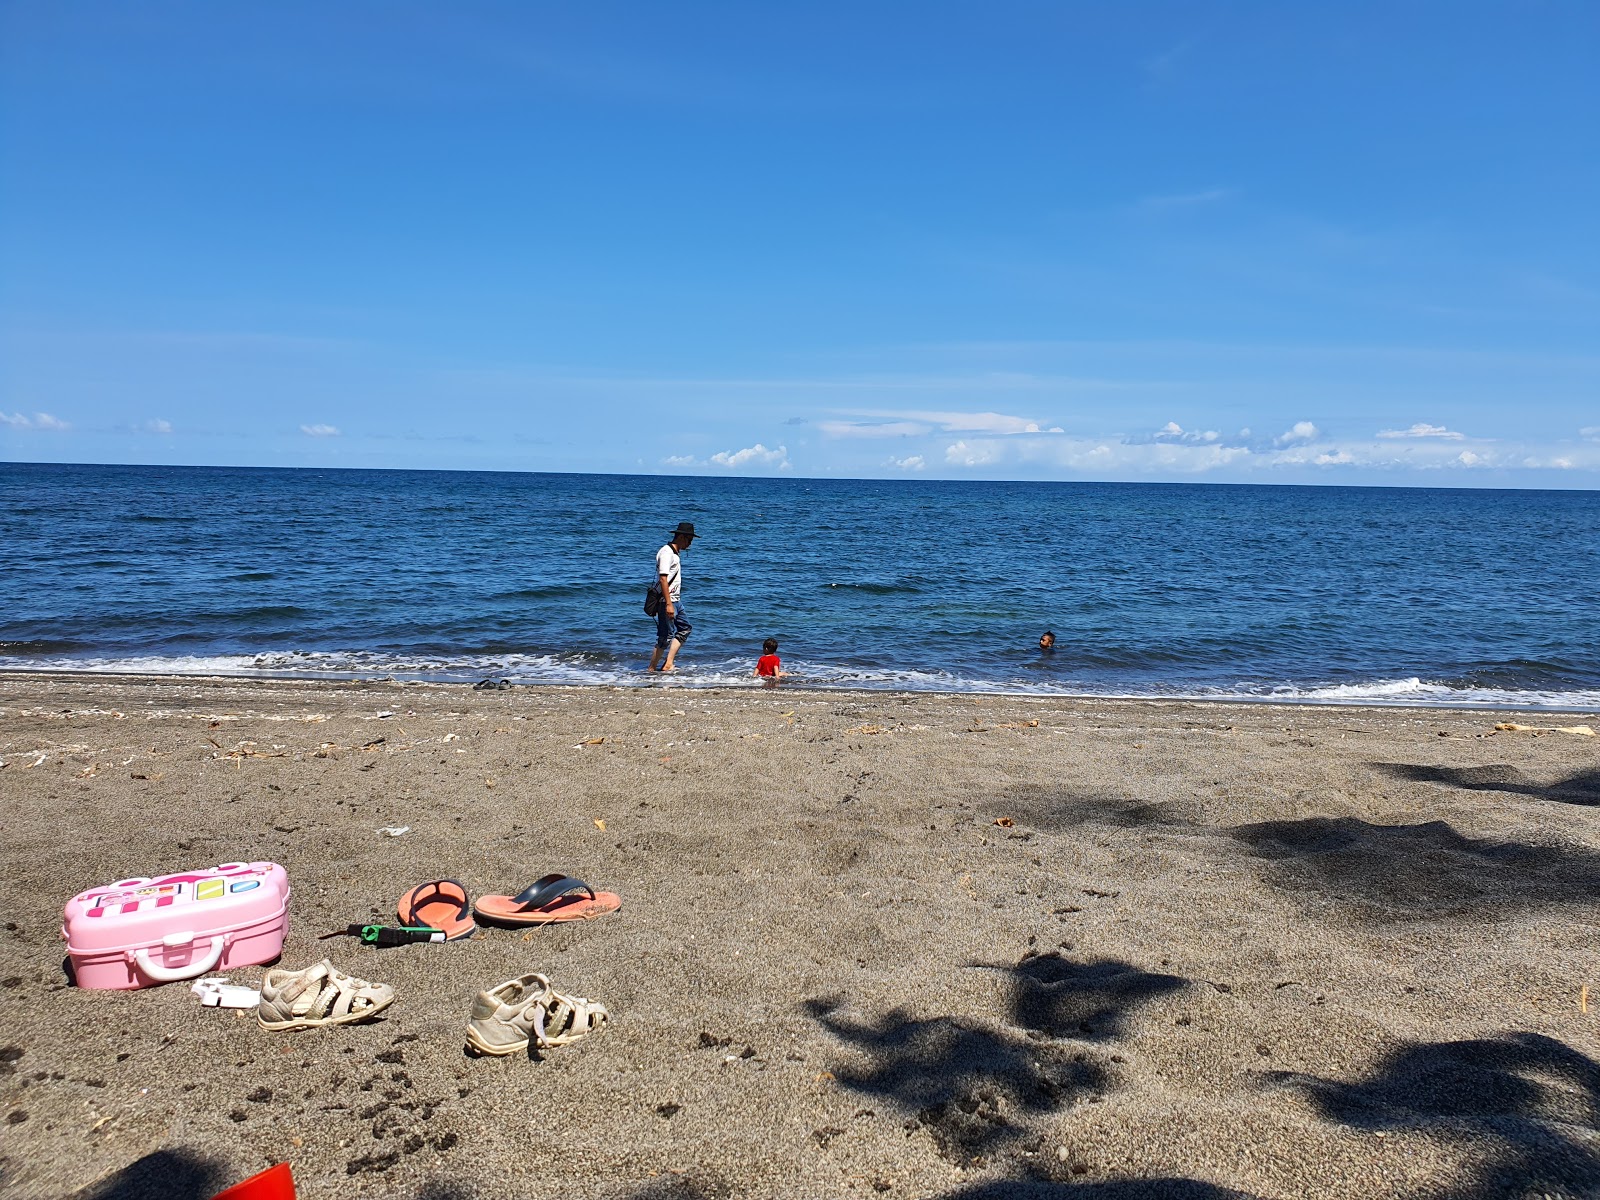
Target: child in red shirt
pixel 769 665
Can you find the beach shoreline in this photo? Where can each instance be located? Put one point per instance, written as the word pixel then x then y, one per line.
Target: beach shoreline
pixel 688 681
pixel 872 942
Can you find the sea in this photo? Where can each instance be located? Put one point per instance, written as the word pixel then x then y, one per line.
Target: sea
pixel 1395 596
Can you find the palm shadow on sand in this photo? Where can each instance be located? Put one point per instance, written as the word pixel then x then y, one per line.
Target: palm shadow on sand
pixel 1526 1107
pixel 1380 872
pixel 979 1088
pixel 1582 788
pixel 1401 872
pixel 1039 1188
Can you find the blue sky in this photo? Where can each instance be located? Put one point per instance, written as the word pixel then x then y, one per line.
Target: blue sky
pixel 1297 243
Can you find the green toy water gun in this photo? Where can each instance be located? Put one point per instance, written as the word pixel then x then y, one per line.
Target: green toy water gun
pixel 388 935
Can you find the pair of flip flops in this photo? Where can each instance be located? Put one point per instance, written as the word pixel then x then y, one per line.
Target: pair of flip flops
pixel 444 904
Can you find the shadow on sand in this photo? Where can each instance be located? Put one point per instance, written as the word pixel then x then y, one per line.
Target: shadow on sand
pixel 1397 872
pixel 978 1088
pixel 183 1174
pixel 1120 1189
pixel 1582 788
pixel 1528 1107
pixel 167 1174
pixel 1384 872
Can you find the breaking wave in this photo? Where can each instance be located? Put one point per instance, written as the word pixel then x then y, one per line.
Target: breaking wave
pixel 608 671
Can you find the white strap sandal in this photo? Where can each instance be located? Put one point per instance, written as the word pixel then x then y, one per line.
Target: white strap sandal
pixel 510 1015
pixel 319 995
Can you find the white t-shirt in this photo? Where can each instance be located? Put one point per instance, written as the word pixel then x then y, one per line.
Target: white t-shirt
pixel 667 564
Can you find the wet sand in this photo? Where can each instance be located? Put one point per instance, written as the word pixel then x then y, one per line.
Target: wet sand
pixel 871 944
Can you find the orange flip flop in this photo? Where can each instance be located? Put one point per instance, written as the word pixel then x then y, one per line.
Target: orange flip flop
pixel 439 904
pixel 549 900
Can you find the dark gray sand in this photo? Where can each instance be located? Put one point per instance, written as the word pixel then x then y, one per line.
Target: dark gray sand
pixel 870 945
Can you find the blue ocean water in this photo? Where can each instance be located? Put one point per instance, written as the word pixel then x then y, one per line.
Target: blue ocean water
pixel 1339 594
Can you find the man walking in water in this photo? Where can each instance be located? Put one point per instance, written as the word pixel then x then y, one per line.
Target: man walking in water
pixel 672 627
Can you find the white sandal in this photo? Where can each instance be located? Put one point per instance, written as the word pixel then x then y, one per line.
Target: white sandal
pixel 319 995
pixel 512 1014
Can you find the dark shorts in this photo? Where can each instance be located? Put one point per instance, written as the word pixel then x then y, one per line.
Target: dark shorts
pixel 669 628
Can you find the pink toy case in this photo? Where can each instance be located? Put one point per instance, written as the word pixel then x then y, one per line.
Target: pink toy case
pixel 140 932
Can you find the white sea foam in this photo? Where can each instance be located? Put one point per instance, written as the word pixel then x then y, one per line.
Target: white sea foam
pixel 580 669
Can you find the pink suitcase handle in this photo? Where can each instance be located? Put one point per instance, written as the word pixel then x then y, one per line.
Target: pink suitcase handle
pixel 172 974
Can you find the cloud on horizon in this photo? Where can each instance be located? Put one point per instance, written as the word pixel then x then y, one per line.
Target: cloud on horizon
pixel 757 455
pixel 39 420
pixel 1174 451
pixel 915 423
pixel 1421 430
pixel 320 431
pixel 1299 432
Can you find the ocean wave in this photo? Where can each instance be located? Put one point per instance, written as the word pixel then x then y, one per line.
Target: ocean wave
pixel 873 588
pixel 40 646
pixel 606 670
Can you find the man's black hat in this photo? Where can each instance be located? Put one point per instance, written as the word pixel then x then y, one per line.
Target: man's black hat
pixel 685 529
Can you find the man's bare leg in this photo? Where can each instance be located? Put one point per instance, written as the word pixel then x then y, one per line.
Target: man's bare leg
pixel 672 655
pixel 655 658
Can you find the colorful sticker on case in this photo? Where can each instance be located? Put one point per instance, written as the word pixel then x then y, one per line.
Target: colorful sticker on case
pixel 210 889
pixel 245 885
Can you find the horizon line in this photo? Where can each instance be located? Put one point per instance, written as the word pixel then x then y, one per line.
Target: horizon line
pixel 797 478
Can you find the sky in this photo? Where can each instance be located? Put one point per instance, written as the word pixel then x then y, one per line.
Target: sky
pixel 1349 243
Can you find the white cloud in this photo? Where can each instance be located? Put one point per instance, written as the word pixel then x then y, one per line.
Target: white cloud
pixel 1591 432
pixel 37 421
pixel 886 429
pixel 320 431
pixel 1173 432
pixel 1297 434
pixel 913 462
pixel 157 425
pixel 678 460
pixel 1421 430
pixel 911 423
pixel 962 455
pixel 757 455
pixel 1144 455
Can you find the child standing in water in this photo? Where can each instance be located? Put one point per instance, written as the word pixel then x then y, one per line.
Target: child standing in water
pixel 769 666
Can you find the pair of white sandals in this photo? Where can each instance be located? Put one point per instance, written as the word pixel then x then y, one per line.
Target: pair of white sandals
pixel 505 1019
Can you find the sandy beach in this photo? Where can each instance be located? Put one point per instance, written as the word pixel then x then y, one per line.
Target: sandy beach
pixel 870 944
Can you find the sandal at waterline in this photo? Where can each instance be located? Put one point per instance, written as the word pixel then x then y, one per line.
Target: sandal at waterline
pixel 510 1015
pixel 319 995
pixel 548 900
